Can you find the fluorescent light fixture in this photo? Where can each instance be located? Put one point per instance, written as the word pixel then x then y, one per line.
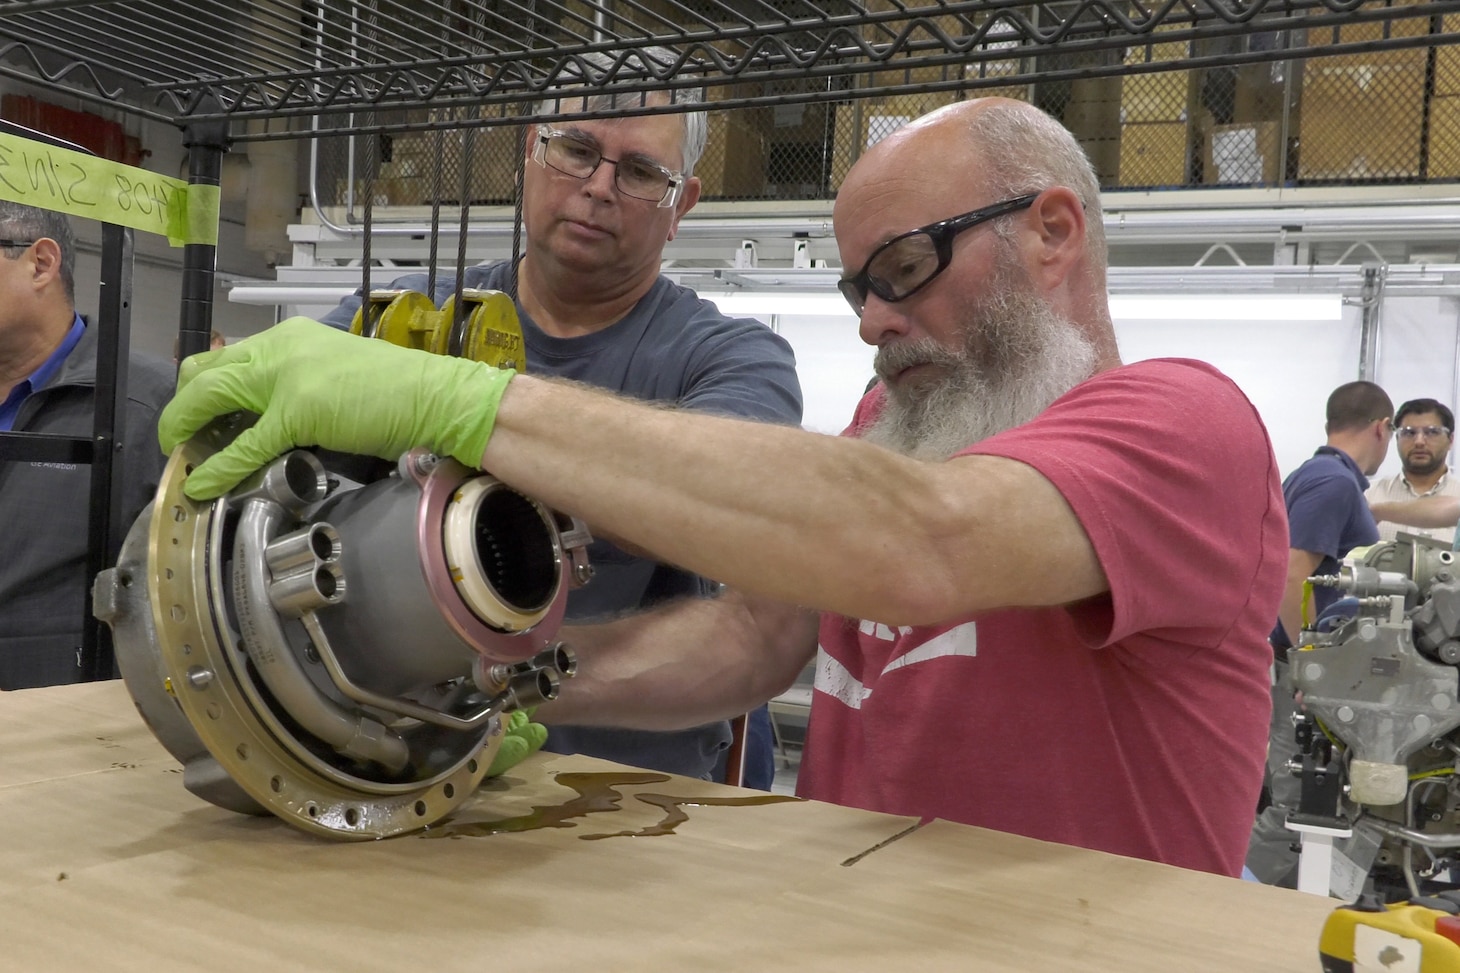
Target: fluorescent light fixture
pixel 824 304
pixel 1227 307
pixel 307 294
pixel 1126 307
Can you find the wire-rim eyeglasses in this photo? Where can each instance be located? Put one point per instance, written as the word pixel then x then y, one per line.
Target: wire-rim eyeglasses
pixel 574 156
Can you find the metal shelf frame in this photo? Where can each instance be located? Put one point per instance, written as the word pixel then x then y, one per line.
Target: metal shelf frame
pixel 370 62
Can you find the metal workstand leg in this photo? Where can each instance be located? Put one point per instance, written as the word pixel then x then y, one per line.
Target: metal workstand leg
pixel 105 528
pixel 206 142
pixel 1315 864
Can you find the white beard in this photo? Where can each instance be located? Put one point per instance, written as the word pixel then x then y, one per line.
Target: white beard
pixel 1018 356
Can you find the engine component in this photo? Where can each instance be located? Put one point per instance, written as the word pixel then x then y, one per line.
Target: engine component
pixel 340 654
pixel 1378 741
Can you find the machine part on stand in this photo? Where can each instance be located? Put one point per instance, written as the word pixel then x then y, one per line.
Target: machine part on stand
pixel 1382 692
pixel 317 649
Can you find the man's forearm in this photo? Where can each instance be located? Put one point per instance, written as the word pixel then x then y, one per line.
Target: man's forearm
pixel 683 664
pixel 1428 512
pixel 1301 565
pixel 1291 612
pixel 830 522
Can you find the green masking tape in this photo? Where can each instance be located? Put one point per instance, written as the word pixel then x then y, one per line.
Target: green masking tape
pixel 82 185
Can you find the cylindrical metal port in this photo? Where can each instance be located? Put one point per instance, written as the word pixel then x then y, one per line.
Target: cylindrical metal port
pixel 503 552
pixel 534 688
pixel 557 657
pixel 304 569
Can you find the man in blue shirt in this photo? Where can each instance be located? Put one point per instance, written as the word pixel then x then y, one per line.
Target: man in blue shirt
pixel 1327 517
pixel 48 385
pixel 1327 512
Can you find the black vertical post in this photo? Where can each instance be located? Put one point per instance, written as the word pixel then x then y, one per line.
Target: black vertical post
pixel 206 141
pixel 105 527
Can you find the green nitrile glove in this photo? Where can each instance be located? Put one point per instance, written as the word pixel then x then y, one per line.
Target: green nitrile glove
pixel 312 385
pixel 522 739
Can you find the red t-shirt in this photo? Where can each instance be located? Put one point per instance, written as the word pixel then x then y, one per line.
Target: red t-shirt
pixel 1135 722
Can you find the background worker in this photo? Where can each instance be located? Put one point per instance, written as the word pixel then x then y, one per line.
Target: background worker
pixel 1327 517
pixel 1423 430
pixel 1046 577
pixel 1327 512
pixel 600 199
pixel 48 385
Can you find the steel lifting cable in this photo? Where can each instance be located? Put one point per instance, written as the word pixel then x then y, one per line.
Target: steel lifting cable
pixel 521 169
pixel 368 322
pixel 440 146
pixel 458 311
pixel 372 151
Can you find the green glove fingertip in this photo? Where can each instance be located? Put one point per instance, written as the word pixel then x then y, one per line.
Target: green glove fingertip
pixel 521 740
pixel 511 753
pixel 536 735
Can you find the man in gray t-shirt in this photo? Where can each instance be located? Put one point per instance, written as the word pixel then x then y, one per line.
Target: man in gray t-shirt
pixel 595 309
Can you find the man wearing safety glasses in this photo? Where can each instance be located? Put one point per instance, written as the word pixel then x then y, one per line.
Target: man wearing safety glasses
pixel 1044 578
pixel 600 199
pixel 1422 437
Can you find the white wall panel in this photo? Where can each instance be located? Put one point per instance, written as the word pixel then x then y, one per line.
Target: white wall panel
pixel 834 365
pixel 1287 368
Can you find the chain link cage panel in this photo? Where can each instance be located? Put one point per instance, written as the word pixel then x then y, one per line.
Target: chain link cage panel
pixel 1352 119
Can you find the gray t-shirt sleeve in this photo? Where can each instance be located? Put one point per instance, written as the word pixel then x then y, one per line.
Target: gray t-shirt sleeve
pixel 744 369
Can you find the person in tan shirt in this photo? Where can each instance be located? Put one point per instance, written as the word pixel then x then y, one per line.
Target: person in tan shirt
pixel 1423 434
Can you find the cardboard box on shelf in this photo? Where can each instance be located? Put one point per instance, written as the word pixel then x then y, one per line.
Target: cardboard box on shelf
pixel 1362 119
pixel 860 124
pixel 1444 142
pixel 1242 154
pixel 1447 59
pixel 1159 97
pixel 1092 114
pixel 1154 154
pixel 1363 114
pixel 735 154
pixel 1260 92
pixel 389 191
pixel 493 165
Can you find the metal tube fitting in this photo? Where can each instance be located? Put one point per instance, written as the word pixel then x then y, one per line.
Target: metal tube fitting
pixel 305 572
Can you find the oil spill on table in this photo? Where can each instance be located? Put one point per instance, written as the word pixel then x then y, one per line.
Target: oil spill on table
pixel 599 793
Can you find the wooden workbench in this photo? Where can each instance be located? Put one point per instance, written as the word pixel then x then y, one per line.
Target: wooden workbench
pixel 107 864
